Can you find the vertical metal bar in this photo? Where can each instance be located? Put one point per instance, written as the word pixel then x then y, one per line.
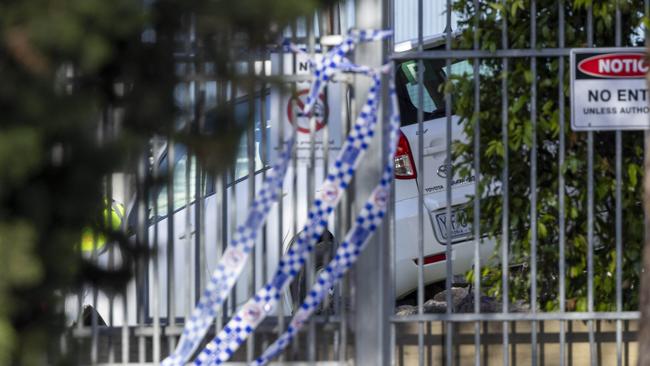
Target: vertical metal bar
pixel 250 155
pixel 389 290
pixel 590 213
pixel 125 319
pixel 387 231
pixel 200 215
pixel 341 228
pixel 232 197
pixel 280 212
pixel 505 225
pixel 328 302
pixel 189 265
pixel 171 282
pixel 336 301
pixel 294 132
pixel 94 338
pixel 187 241
pixel 349 196
pixel 477 189
pixel 294 163
pixel 335 18
pixel 199 199
pixel 104 217
pixel 199 202
pixel 590 236
pixel 156 280
pixel 619 217
pixel 221 209
pixel 389 221
pixel 80 295
pixel 264 157
pixel 561 213
pixel 310 265
pixel 94 331
pixel 371 320
pixel 197 126
pixel 110 123
pixel 420 184
pixel 646 159
pixel 141 238
pixel 449 263
pixel 533 182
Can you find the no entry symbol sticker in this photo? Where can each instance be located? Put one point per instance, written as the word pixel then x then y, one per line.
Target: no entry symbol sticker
pixel 297 117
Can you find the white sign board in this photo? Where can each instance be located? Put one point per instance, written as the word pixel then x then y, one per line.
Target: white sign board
pixel 289 106
pixel 609 90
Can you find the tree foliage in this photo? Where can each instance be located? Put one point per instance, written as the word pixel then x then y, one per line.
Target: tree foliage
pixel 520 134
pixel 64 63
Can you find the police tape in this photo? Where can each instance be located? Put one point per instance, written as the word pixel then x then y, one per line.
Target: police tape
pixel 235 257
pixel 223 346
pixel 231 264
pixel 348 251
pixel 331 63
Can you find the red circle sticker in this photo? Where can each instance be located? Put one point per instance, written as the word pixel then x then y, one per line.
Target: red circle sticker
pixel 233 257
pixel 330 192
pixel 299 319
pixel 296 115
pixel 252 312
pixel 381 197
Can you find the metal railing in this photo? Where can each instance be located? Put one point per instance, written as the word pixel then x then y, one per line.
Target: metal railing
pixel 452 323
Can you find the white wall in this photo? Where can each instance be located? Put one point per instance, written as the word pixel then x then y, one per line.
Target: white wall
pixel 434 19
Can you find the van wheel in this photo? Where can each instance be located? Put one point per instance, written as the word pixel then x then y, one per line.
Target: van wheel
pixel 322 254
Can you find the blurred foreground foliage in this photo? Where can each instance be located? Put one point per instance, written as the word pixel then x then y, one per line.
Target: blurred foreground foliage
pixel 64 64
pixel 549 87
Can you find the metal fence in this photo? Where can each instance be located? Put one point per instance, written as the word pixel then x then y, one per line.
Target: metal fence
pixel 189 220
pixel 535 318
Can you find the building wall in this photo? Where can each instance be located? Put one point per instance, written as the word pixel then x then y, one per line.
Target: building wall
pixel 434 19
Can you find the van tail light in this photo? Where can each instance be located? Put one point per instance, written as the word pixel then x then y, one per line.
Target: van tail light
pixel 404 163
pixel 433 258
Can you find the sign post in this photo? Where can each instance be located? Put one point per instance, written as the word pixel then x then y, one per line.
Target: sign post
pixel 608 89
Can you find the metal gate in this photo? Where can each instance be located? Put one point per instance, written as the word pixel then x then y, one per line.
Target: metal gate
pixel 589 334
pixel 406 301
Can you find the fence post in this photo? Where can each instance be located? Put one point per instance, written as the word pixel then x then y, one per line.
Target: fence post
pixel 644 298
pixel 373 297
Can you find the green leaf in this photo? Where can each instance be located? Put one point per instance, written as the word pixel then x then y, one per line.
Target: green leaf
pixel 632 171
pixel 541 230
pixel 495 148
pixel 496 6
pixel 528 76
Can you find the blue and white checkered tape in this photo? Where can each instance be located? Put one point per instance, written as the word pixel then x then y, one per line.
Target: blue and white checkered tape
pixel 231 264
pixel 235 257
pixel 347 253
pixel 223 346
pixel 324 68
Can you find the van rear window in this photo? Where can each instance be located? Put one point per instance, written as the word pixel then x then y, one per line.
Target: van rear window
pixel 434 77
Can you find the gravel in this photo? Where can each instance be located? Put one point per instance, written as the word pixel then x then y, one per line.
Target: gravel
pixel 462 299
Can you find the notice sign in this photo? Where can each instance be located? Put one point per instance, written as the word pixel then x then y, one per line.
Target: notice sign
pixel 609 90
pixel 287 107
